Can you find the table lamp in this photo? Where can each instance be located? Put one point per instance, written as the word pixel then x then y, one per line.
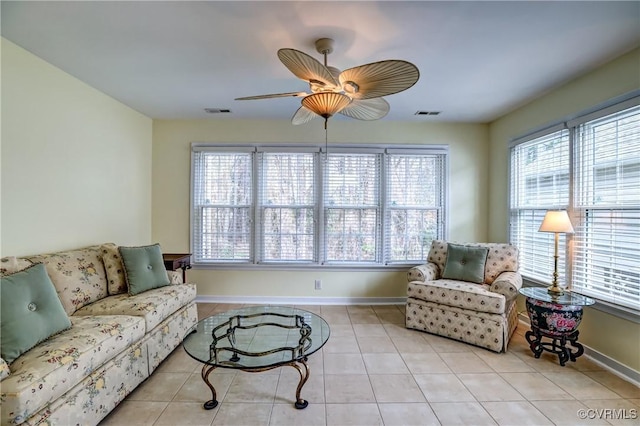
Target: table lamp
pixel 556 221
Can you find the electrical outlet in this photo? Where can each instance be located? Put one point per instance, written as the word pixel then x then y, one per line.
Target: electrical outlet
pixel 318 285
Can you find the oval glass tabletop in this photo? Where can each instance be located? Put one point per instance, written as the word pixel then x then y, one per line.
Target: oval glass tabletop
pixel 257 337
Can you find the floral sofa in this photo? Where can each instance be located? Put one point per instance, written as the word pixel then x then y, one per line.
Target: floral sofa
pixel 480 313
pixel 115 340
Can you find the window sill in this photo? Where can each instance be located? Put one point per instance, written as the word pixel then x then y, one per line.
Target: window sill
pixel 601 305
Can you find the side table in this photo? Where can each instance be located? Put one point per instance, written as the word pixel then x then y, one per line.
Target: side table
pixel 554 317
pixel 175 261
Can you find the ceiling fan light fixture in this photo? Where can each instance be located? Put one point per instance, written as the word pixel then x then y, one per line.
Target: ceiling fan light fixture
pixel 325 104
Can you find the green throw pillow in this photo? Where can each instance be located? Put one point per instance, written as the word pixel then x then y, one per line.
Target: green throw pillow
pixel 143 268
pixel 465 263
pixel 31 311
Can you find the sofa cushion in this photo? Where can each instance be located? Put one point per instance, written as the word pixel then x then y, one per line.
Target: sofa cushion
pixel 30 311
pixel 116 281
pixel 154 305
pixel 465 263
pixel 460 294
pixel 4 369
pixel 12 264
pixel 143 268
pixel 58 364
pixel 78 275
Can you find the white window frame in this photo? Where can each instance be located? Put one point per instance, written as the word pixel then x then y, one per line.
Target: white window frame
pixel 381 261
pixel 570 251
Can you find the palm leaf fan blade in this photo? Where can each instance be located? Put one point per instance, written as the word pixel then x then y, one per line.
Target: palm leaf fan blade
pixel 366 109
pixel 306 67
pixel 379 79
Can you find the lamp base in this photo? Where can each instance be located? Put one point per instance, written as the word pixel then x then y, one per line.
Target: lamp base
pixel 555 290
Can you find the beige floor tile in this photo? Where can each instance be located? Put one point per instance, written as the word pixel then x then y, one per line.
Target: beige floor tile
pixel 489 387
pixel 408 414
pixel 411 344
pixel 159 387
pixel 312 391
pixel 364 318
pixel 195 389
pixel 634 401
pixel 515 413
pixel 566 413
pixel 369 330
pixel 503 362
pixel 178 362
pixel 353 414
pixel 615 411
pixel 347 389
pixel 242 414
pixel 443 388
pixel 384 364
pixel 465 362
pixel 315 363
pixel 392 318
pixel 342 330
pixel 535 386
pixel 462 413
pixel 288 415
pixel 360 309
pixel 185 413
pixel 332 309
pixel 396 388
pixel 615 383
pixel 141 413
pixel 445 345
pixel 310 308
pixel 344 364
pixel 399 330
pixel 425 363
pixel 344 345
pixel 383 309
pixel 580 386
pixel 252 387
pixel 382 344
pixel 336 318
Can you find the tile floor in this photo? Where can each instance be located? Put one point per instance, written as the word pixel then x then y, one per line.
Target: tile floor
pixel 373 371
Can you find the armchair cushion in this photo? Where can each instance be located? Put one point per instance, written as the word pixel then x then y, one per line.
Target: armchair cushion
pixel 465 263
pixel 460 294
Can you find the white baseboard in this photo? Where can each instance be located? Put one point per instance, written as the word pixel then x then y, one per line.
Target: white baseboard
pixel 606 362
pixel 279 300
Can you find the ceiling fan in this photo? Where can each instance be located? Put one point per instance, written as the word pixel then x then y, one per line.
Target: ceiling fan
pixel 356 92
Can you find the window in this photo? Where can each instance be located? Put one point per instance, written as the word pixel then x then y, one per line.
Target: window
pixel 591 167
pixel 299 206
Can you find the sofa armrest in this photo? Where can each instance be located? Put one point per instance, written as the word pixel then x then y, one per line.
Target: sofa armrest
pixel 4 369
pixel 427 272
pixel 175 277
pixel 507 284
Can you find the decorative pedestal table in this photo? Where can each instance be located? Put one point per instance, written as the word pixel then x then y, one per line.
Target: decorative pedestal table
pixel 554 318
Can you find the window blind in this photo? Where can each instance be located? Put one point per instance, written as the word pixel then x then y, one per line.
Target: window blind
pixel 414 201
pixel 607 208
pixel 539 181
pixel 352 208
pixel 221 211
pixel 287 207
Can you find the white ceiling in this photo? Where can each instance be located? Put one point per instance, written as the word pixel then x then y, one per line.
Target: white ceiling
pixel 168 60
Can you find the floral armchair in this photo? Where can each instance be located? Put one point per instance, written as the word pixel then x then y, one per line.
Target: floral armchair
pixel 447 297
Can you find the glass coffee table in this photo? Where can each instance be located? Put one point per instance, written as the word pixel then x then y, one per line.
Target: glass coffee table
pixel 257 339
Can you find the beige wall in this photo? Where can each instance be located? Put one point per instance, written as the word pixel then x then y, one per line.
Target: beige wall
pixel 610 335
pixel 76 164
pixel 171 175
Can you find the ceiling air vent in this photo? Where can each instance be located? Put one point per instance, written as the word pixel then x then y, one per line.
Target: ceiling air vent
pixel 427 112
pixel 217 110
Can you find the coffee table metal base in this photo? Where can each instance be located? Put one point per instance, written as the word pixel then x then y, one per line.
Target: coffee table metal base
pixel 301 366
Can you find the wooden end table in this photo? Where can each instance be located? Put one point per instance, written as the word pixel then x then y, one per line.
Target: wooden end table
pixel 175 261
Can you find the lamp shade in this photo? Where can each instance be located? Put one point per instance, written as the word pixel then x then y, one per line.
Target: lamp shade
pixel 325 104
pixel 556 221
